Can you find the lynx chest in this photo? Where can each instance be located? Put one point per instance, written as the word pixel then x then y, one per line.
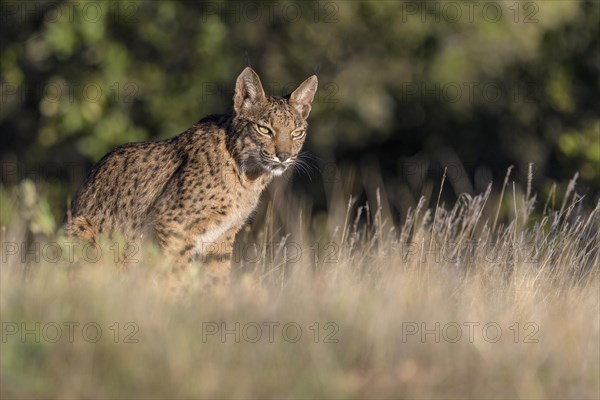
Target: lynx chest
pixel 237 205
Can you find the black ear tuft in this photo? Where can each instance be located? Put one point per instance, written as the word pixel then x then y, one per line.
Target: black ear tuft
pixel 317 69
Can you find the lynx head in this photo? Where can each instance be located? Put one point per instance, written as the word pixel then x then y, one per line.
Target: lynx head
pixel 270 130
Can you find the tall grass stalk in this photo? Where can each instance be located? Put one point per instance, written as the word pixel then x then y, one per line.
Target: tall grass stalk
pixel 450 303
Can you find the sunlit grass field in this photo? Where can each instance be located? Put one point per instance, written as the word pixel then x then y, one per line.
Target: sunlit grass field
pixel 494 296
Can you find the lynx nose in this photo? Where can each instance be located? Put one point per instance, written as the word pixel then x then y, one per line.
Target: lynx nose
pixel 283 156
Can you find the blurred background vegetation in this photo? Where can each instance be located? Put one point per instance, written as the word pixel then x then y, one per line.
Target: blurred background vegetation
pixel 406 88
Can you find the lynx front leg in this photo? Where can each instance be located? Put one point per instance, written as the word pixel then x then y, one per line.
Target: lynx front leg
pixel 182 251
pixel 179 251
pixel 216 259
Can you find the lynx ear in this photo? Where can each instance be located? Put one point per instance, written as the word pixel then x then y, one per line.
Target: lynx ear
pixel 248 90
pixel 302 97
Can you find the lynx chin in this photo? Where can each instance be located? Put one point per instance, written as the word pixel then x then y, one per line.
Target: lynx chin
pixel 194 192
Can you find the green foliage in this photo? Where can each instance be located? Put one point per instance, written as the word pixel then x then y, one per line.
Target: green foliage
pixel 35 210
pixel 7 210
pixel 583 147
pixel 498 84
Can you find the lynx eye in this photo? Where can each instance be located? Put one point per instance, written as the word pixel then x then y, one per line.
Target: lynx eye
pixel 298 133
pixel 263 130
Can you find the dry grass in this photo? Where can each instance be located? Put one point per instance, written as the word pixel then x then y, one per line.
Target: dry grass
pixel 371 287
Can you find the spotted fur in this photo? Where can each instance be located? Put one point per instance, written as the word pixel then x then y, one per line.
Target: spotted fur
pixel 195 191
